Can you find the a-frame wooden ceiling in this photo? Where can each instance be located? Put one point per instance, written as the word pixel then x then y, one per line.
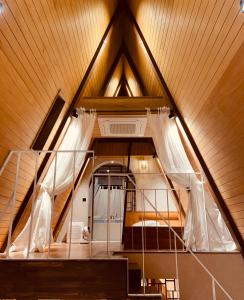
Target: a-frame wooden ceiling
pixel 47 46
pixel 198 47
pixel 123 71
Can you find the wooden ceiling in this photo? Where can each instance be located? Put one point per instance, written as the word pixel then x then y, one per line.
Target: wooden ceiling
pixel 46 47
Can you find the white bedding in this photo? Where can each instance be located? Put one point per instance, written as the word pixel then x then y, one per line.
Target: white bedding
pixel 149 223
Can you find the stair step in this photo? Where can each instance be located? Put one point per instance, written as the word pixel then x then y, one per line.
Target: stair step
pixel 150 293
pixel 145 296
pixel 134 278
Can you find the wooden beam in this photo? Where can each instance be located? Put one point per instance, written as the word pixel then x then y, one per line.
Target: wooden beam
pixel 111 71
pixel 134 70
pixel 62 124
pixel 117 88
pixel 124 140
pixel 48 123
pixel 123 92
pixel 122 51
pixel 127 85
pixel 122 104
pixel 220 201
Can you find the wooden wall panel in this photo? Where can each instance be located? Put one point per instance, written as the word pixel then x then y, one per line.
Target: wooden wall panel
pixel 46 46
pixel 221 137
pixel 198 46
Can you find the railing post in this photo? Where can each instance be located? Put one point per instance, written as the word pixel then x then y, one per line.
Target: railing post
pixel 52 203
pixel 205 210
pixel 155 196
pixel 177 267
pixel 120 216
pixel 72 204
pixel 13 203
pixel 33 203
pixel 213 289
pixel 108 216
pixel 6 161
pixel 91 222
pixel 181 227
pixel 167 197
pixel 143 245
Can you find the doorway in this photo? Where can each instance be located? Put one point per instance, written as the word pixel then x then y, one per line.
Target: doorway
pixel 108 202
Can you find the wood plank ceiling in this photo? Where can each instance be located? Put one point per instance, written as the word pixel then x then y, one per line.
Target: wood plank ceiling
pixel 46 46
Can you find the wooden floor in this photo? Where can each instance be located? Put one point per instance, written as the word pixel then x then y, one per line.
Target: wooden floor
pixel 77 251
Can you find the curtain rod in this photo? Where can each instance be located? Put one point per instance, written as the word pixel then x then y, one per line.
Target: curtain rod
pixel 127 110
pixel 171 113
pixel 136 111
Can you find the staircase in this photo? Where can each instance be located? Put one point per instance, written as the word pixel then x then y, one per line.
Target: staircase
pixel 136 291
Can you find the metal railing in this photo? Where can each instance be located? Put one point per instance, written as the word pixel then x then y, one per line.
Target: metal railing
pixel 11 204
pixel 176 237
pixel 145 200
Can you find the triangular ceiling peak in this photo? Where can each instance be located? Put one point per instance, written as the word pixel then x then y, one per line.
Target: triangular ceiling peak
pixel 123 80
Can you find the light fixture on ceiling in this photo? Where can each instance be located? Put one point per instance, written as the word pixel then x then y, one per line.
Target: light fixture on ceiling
pixel 105 42
pixel 242 6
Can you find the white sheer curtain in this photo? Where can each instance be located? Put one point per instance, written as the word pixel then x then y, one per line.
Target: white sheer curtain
pixel 205 229
pixel 77 137
pixel 116 210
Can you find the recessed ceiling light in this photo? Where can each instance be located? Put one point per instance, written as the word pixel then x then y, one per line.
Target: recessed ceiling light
pixel 105 41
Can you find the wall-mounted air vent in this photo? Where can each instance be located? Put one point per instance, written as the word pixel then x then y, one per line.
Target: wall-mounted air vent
pixel 122 127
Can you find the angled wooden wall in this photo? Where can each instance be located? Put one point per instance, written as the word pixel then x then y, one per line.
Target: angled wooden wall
pixel 46 46
pixel 198 47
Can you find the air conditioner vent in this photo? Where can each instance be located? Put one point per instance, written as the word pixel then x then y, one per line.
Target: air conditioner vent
pixel 122 127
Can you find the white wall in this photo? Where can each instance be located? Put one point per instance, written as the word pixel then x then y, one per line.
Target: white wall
pixel 153 181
